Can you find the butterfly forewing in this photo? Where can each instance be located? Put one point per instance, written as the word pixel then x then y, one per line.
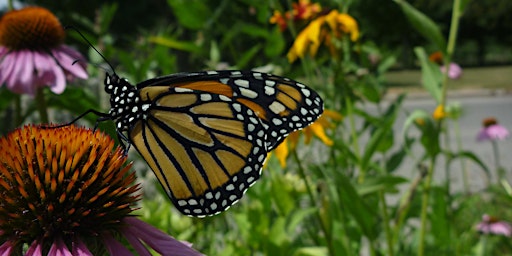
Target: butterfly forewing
pixel 205 149
pixel 206 135
pixel 281 104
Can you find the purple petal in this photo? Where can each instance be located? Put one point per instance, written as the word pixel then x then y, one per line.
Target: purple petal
pixel 6 249
pixel 114 247
pixel 59 248
pixel 25 72
pixel 156 239
pixel 500 228
pixel 6 67
pixel 493 132
pixel 482 135
pixel 79 249
pixel 497 132
pixel 49 73
pixel 66 56
pixel 35 249
pixel 454 71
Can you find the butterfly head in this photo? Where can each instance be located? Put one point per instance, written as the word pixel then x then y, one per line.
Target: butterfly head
pixel 126 106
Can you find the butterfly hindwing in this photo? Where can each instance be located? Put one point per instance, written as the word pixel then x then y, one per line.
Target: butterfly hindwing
pixel 282 105
pixel 206 135
pixel 204 148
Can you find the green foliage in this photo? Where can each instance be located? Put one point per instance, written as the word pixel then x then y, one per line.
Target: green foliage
pixel 348 198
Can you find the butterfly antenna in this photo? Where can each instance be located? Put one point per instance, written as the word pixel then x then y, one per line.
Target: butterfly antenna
pixel 92 46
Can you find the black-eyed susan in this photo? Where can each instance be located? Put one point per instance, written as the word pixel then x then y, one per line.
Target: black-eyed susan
pixel 64 191
pixel 317 129
pixel 32 53
pixel 322 30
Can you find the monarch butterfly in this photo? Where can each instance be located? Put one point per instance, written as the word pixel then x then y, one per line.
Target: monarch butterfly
pixel 206 135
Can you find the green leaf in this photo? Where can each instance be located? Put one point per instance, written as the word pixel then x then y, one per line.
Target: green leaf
pixel 277 234
pixel 247 56
pixel 381 132
pixel 431 75
pixel 191 14
pixel 471 156
pixel 175 44
pixel 439 218
pixel 312 251
pixel 395 160
pixel 423 24
pixel 360 211
pixel 375 184
pixel 462 5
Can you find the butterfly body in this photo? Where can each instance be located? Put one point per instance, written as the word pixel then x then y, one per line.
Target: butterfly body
pixel 206 135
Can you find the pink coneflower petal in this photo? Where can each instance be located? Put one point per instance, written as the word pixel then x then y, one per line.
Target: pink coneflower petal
pixel 491 225
pixel 35 249
pixel 501 228
pixel 6 67
pixel 25 69
pixel 66 58
pixel 59 248
pixel 114 247
pixel 493 132
pixel 454 71
pixel 49 73
pixel 6 249
pixel 80 249
pixel 156 239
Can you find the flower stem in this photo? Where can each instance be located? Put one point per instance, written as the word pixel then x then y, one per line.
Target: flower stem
pixel 424 206
pixel 497 162
pixel 463 164
pixel 41 105
pixel 302 173
pixel 10 5
pixel 387 228
pixel 17 111
pixel 355 140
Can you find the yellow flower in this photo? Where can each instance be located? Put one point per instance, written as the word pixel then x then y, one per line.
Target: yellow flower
pixel 323 29
pixel 342 22
pixel 325 121
pixel 439 113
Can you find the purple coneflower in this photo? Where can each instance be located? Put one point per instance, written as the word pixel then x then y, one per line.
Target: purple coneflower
pixel 491 225
pixel 63 191
pixel 32 53
pixel 491 130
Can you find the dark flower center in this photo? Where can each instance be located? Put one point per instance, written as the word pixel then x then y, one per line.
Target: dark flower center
pixel 489 121
pixel 33 28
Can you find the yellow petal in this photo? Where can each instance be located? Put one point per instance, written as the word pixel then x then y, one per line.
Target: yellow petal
pixel 293 139
pixel 439 113
pixel 282 153
pixel 319 131
pixel 348 25
pixel 308 37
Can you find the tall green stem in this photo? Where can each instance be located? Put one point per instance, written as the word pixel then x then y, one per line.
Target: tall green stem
pixel 424 206
pixel 463 164
pixel 497 162
pixel 387 228
pixel 452 39
pixel 325 230
pixel 353 133
pixel 41 105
